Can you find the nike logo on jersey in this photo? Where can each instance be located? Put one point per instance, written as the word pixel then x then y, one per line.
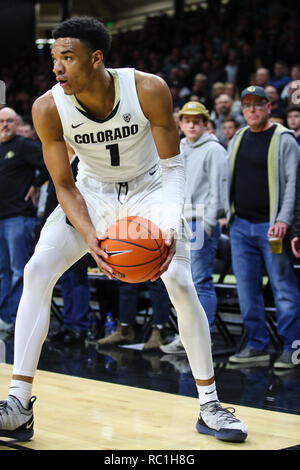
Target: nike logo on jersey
pixel 114 253
pixel 77 125
pixel 152 172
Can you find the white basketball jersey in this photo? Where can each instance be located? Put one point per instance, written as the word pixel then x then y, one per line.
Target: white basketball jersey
pixel 116 149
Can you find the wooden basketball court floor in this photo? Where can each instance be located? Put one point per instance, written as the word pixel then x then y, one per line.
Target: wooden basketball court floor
pixel 73 413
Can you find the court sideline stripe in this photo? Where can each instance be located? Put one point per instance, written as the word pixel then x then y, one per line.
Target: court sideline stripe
pixel 13 446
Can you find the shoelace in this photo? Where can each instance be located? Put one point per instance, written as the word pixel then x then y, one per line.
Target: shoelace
pixel 4 407
pixel 227 413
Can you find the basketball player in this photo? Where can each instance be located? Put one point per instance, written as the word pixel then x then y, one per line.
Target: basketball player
pixel 119 122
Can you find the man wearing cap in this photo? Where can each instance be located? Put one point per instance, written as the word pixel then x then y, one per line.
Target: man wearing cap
pixel 205 193
pixel 263 158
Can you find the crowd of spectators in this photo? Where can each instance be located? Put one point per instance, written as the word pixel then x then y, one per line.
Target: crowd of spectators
pixel 201 54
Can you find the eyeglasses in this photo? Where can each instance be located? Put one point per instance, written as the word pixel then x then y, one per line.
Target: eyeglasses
pixel 9 120
pixel 247 106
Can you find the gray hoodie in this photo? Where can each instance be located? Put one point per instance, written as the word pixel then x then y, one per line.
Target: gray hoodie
pixel 205 163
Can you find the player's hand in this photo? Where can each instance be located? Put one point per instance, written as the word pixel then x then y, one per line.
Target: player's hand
pixel 99 255
pixel 170 241
pixel 295 244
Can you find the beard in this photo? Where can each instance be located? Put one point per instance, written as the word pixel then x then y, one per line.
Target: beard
pixel 6 134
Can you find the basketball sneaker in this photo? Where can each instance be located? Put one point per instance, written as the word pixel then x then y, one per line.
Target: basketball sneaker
pixel 15 420
pixel 221 423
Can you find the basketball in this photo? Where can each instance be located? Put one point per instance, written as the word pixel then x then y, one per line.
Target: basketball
pixel 136 249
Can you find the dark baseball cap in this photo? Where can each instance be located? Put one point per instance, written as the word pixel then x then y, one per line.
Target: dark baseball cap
pixel 256 91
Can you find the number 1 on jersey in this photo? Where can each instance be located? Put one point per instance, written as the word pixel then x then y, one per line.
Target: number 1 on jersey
pixel 114 154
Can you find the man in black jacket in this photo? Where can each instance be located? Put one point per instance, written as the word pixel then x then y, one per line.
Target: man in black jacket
pixel 20 157
pixel 296 224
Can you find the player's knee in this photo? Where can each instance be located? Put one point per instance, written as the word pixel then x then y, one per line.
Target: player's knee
pixel 36 275
pixel 178 282
pixel 31 272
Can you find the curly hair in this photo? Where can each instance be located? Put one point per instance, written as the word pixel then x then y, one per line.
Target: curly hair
pixel 88 30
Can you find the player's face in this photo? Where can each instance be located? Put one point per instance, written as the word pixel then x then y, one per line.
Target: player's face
pixel 72 65
pixel 192 126
pixel 256 111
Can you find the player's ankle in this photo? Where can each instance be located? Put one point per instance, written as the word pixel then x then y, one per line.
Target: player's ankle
pixel 22 390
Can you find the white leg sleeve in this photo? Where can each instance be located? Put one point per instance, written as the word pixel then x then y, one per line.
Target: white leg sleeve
pixel 60 246
pixel 173 178
pixel 192 321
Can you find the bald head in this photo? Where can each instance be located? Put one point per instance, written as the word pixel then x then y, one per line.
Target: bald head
pixel 8 124
pixel 11 111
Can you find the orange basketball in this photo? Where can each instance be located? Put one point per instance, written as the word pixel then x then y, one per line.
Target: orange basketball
pixel 135 247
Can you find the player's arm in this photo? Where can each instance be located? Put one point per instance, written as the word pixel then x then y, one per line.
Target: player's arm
pixel 49 129
pixel 156 103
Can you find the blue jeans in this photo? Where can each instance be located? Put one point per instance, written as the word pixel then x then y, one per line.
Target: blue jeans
pixel 202 264
pixel 128 302
pixel 16 244
pixel 75 290
pixel 250 254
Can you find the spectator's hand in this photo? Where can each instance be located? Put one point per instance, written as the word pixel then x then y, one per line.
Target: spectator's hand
pixel 208 231
pixel 223 222
pixel 170 241
pixel 295 244
pixel 278 230
pixel 33 194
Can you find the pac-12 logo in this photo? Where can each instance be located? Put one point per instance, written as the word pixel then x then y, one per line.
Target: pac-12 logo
pixel 127 117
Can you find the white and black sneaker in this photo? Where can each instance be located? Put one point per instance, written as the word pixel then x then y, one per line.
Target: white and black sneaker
pixel 16 421
pixel 175 347
pixel 221 423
